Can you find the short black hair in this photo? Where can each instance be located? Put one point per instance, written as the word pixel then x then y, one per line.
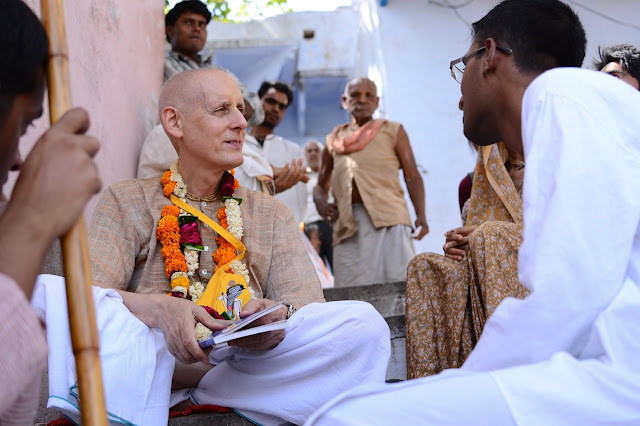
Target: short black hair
pixel 543 34
pixel 279 86
pixel 627 56
pixel 193 6
pixel 25 51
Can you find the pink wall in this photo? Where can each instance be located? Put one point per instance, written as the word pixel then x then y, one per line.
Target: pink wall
pixel 116 56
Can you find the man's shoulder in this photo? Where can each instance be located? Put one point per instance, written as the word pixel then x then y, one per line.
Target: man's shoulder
pixel 290 145
pixel 259 204
pixel 579 84
pixel 597 92
pixel 135 188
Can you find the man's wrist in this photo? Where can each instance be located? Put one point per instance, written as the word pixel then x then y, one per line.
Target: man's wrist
pixel 290 310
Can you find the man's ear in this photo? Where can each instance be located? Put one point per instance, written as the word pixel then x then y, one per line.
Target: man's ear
pixel 490 57
pixel 345 105
pixel 169 32
pixel 172 121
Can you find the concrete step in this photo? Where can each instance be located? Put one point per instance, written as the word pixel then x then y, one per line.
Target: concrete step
pixel 388 298
pixel 224 419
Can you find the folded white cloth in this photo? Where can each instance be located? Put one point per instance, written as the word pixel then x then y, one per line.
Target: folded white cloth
pixel 137 381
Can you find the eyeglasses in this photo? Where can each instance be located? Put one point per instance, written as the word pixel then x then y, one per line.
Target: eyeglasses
pixel 457 66
pixel 272 101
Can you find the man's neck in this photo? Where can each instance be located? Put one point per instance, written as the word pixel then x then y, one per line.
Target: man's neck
pixel 193 56
pixel 360 121
pixel 199 182
pixel 261 131
pixel 509 112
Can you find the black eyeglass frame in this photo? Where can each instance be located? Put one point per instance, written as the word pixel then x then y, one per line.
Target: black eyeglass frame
pixel 464 58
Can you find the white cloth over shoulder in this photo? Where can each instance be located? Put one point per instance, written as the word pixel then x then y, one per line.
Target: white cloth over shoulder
pixel 136 366
pixel 568 353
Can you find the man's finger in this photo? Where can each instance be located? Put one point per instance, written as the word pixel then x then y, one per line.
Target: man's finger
pixel 74 121
pixel 89 144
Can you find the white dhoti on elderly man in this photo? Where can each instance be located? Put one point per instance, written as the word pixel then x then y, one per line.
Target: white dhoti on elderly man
pixel 328 347
pixel 568 353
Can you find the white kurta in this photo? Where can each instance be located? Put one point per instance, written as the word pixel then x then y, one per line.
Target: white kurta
pixel 278 152
pixel 570 352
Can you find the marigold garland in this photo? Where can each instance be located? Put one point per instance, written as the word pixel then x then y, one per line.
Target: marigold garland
pixel 181 263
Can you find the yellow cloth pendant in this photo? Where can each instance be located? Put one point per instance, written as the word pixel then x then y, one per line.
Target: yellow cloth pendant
pixel 226 293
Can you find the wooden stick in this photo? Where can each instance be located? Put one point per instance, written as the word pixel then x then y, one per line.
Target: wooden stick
pixel 75 253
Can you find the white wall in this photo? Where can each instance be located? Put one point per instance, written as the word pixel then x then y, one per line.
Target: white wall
pixel 419 39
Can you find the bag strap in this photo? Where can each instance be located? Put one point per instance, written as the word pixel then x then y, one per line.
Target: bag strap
pixel 237 244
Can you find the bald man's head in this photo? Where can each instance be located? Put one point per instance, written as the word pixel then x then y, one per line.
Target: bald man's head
pixel 200 109
pixel 184 90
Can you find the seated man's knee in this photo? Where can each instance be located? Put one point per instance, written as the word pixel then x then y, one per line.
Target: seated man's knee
pixel 368 322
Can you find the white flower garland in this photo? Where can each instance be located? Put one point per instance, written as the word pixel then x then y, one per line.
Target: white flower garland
pixel 192 257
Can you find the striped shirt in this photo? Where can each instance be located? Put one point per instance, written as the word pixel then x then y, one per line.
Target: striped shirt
pixel 125 253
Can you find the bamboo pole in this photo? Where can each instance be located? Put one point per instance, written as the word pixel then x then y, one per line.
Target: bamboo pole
pixel 75 253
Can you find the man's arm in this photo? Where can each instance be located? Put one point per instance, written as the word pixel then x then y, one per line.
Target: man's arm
pixel 57 179
pixel 328 211
pixel 24 353
pixel 412 177
pixel 120 230
pixel 176 318
pixel 291 279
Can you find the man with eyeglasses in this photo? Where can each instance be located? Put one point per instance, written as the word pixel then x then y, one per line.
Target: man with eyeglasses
pixel 270 154
pixel 568 353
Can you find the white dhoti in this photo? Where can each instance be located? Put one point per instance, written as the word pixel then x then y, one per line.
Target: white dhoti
pixel 328 349
pixel 372 255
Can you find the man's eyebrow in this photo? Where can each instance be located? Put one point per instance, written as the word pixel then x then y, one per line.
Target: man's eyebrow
pixel 616 72
pixel 221 104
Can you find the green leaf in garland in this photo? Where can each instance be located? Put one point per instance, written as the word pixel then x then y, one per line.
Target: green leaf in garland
pixel 239 200
pixel 187 218
pixel 192 246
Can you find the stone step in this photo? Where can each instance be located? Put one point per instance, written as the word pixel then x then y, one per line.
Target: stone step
pixel 388 298
pixel 213 419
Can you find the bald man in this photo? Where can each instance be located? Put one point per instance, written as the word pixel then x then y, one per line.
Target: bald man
pixel 371 222
pixel 271 378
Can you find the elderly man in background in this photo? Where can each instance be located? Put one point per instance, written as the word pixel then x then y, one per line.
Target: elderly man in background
pixel 621 61
pixel 56 180
pixel 271 378
pixel 312 152
pixel 371 222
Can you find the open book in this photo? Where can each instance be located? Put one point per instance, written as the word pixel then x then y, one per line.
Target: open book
pixel 238 329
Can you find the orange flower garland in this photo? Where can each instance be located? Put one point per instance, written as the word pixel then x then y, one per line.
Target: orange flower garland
pixel 168 232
